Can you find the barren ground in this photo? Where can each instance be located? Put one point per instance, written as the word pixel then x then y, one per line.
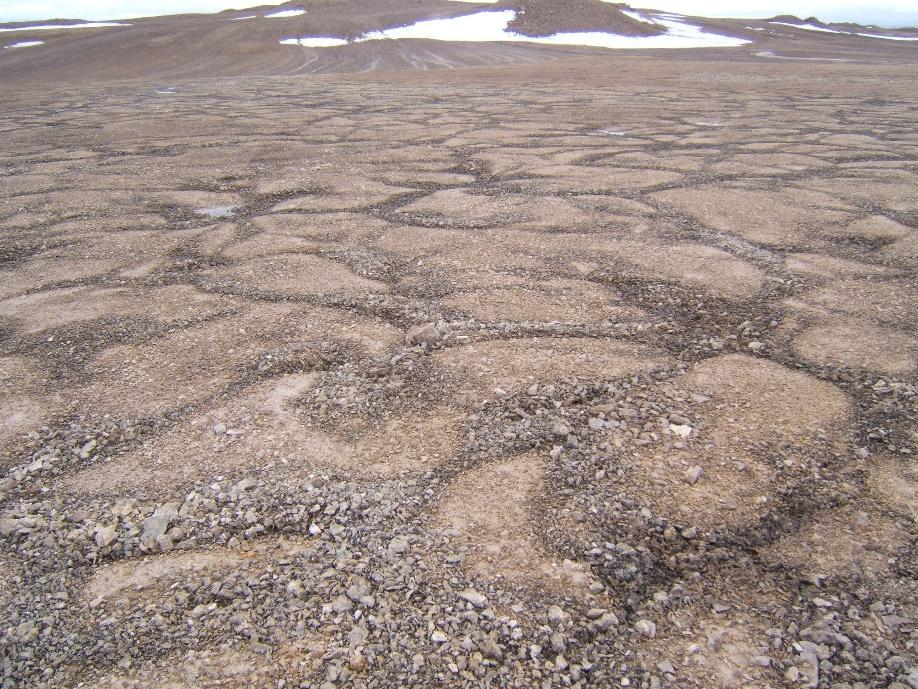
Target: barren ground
pixel 657 427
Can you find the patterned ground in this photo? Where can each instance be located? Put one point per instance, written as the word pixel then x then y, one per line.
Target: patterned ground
pixel 586 374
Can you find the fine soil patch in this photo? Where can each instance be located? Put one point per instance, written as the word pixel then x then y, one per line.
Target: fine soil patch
pixel 567 301
pixel 295 275
pixel 489 513
pixel 840 542
pixel 770 217
pixel 859 345
pixel 894 481
pixel 748 405
pixel 53 308
pixel 509 366
pixel 462 208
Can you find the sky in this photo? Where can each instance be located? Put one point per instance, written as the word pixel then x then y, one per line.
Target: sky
pixel 890 13
pixel 880 12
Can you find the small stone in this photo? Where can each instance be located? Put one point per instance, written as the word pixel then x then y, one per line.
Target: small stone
pixel 646 627
pixel 439 637
pixel 244 485
pixel 426 333
pixel 682 430
pixel 398 546
pixel 491 649
pixel 156 524
pixel 693 473
pixel 558 642
pixel 357 636
pixel 556 615
pixel 105 536
pixel 472 596
pixel 357 662
pixel 339 604
pixel 359 589
pixel 606 622
pixel 666 667
pixel 219 428
pixel 8 527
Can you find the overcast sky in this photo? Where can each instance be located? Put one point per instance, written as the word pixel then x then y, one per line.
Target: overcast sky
pixel 882 12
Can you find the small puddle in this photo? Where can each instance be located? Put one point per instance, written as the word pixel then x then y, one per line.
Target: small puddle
pixel 217 211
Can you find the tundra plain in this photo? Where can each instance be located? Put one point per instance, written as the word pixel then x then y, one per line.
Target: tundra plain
pixel 551 369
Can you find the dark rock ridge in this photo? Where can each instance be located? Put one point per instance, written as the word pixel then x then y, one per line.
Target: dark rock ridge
pixel 546 17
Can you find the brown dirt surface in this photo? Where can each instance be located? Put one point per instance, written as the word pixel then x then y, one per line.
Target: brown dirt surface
pixel 772 218
pixel 839 541
pixel 895 482
pixel 544 17
pixel 858 345
pixel 752 413
pixel 561 300
pixel 410 363
pixel 489 515
pixel 510 366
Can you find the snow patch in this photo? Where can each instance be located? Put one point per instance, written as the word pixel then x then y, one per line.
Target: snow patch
pixel 23 44
pixel 248 16
pixel 217 211
pixel 889 38
pixel 315 41
pixel 769 54
pixel 636 16
pixel 809 27
pixel 478 27
pixel 286 13
pixel 56 27
pixel 490 26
